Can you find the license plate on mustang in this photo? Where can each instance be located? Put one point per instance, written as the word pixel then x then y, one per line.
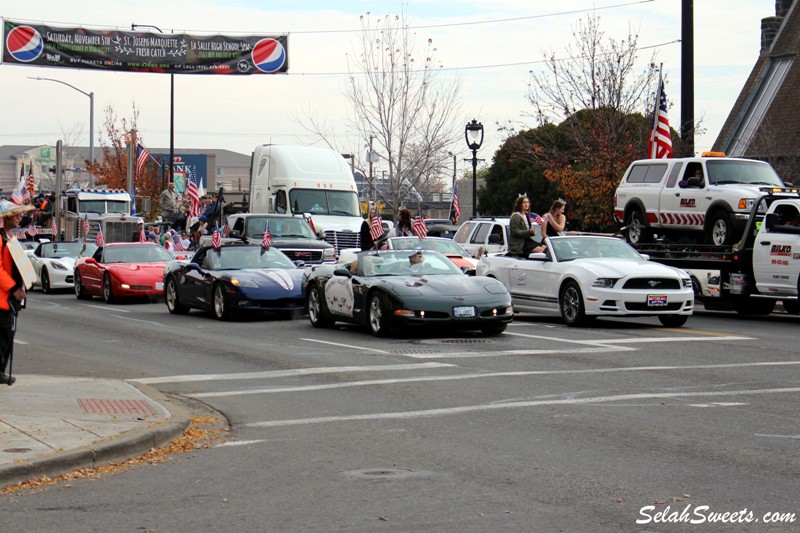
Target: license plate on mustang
pixel 464 312
pixel 656 300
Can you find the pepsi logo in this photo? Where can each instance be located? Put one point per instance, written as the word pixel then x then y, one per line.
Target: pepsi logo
pixel 268 55
pixel 24 43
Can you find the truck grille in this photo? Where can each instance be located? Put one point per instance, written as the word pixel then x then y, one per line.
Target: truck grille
pixel 120 231
pixel 309 256
pixel 654 284
pixel 342 239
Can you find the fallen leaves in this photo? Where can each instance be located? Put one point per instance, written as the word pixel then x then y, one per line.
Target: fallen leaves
pixel 203 432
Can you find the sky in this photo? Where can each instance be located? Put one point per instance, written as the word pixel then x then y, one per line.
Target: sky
pixel 491 47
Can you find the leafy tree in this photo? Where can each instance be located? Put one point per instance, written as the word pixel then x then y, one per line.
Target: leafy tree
pixel 112 170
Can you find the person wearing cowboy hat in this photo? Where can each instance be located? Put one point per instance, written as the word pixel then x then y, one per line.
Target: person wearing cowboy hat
pixel 12 289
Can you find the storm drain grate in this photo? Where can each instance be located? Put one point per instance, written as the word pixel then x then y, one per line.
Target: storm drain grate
pixel 116 407
pixel 414 352
pixel 464 341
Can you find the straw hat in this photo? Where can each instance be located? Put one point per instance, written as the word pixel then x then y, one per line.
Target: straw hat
pixel 8 209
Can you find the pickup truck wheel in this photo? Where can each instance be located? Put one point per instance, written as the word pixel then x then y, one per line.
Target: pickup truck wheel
pixel 791 306
pixel 673 321
pixel 720 230
pixel 637 231
pixel 754 306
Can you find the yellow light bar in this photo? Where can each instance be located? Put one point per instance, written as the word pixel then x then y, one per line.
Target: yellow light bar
pixel 712 154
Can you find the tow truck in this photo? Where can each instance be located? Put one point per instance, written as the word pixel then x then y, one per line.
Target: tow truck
pixel 751 276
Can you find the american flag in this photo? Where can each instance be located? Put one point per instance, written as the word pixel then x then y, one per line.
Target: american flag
pixel 660 141
pixel 419 228
pixel 216 240
pixel 226 229
pixel 99 241
pixel 535 218
pixel 142 236
pixel 32 229
pixel 54 227
pixel 30 186
pixel 141 158
pixel 86 226
pixel 17 198
pixel 376 228
pixel 194 199
pixel 456 203
pixel 266 240
pixel 178 243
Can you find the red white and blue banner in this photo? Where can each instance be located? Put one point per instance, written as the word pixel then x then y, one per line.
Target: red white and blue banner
pixel 136 51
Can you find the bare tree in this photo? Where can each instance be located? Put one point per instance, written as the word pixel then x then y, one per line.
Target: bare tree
pixel 404 102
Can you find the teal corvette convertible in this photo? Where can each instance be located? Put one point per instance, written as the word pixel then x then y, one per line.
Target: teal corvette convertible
pixel 387 289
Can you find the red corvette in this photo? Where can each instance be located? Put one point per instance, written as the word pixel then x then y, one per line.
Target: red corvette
pixel 122 269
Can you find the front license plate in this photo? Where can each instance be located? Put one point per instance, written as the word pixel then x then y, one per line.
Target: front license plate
pixel 656 300
pixel 464 312
pixel 159 286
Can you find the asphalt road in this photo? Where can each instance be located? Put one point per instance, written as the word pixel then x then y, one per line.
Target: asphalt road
pixel 544 428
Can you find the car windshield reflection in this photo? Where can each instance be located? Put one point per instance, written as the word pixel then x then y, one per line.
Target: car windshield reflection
pixel 583 247
pixel 405 263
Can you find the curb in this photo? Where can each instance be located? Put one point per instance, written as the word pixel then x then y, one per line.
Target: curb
pixel 124 446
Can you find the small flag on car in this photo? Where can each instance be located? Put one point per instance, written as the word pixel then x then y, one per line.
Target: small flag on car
pixel 99 240
pixel 419 228
pixel 266 240
pixel 216 240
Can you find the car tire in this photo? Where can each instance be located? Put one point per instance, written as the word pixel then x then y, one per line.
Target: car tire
pixel 673 321
pixel 317 312
pixel 720 229
pixel 80 292
pixel 494 329
pixel 570 303
pixel 754 306
pixel 791 307
pixel 108 289
pixel 637 230
pixel 45 282
pixel 377 315
pixel 172 299
pixel 218 304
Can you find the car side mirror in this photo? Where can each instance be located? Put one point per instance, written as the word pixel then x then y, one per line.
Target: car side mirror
pixel 342 272
pixel 90 261
pixel 469 271
pixel 299 263
pixel 771 220
pixel 538 256
pixel 235 234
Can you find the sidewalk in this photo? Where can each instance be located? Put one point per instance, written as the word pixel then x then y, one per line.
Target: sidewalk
pixel 51 425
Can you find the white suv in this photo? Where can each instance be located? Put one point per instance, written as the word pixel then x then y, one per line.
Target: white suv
pixel 670 197
pixel 491 234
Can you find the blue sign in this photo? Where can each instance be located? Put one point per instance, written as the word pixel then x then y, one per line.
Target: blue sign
pixel 187 166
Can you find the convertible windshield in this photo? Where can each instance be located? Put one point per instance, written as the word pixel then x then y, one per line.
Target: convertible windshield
pixel 445 246
pixel 67 249
pixel 144 253
pixel 571 248
pixel 405 263
pixel 244 257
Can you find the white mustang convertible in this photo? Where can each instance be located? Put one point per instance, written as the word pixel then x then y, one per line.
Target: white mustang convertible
pixel 581 277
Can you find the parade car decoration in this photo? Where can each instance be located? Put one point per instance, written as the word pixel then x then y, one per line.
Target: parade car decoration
pixel 447 247
pixel 122 270
pixel 236 278
pixel 581 277
pixel 54 263
pixel 391 288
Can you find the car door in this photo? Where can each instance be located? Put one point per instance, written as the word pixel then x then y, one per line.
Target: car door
pixel 683 203
pixel 92 273
pixel 195 279
pixel 776 258
pixel 534 284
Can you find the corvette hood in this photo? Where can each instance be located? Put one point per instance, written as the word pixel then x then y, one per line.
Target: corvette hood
pixel 618 268
pixel 454 285
pixel 143 268
pixel 288 280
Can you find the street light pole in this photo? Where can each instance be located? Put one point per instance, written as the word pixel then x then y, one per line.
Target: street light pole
pixel 473 133
pixel 171 111
pixel 91 119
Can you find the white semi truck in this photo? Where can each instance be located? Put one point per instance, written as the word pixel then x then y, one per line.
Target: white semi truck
pixel 315 182
pixel 106 208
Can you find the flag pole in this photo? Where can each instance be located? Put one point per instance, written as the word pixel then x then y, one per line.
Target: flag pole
pixel 654 130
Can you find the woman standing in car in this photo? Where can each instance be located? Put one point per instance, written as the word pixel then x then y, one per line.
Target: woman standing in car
pixel 403 226
pixel 521 231
pixel 556 220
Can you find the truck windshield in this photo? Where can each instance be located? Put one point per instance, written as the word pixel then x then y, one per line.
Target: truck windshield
pixel 104 206
pixel 723 172
pixel 321 202
pixel 279 228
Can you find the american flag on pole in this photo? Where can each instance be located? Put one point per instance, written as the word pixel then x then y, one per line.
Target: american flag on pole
pixel 266 240
pixel 31 185
pixel 216 240
pixel 226 229
pixel 660 141
pixel 178 243
pixel 194 198
pixel 141 158
pixel 99 241
pixel 32 229
pixel 142 236
pixel 376 227
pixel 53 227
pixel 86 226
pixel 20 194
pixel 456 203
pixel 419 228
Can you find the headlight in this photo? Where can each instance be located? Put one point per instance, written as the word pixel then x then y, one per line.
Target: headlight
pixel 243 282
pixel 58 266
pixel 605 283
pixel 686 282
pixel 746 203
pixel 329 254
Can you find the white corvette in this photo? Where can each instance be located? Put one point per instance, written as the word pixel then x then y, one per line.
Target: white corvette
pixel 54 262
pixel 580 277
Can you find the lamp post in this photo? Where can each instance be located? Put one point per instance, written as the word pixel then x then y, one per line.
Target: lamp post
pixel 473 133
pixel 171 111
pixel 91 119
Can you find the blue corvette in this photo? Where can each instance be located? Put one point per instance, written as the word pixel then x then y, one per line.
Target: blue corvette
pixel 238 278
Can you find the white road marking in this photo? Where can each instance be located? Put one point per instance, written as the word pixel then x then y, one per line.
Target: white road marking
pixel 641 340
pixel 20 342
pixel 129 319
pixel 718 404
pixel 288 373
pixel 106 308
pixel 502 353
pixel 348 346
pixel 240 443
pixel 779 436
pixel 519 373
pixel 512 405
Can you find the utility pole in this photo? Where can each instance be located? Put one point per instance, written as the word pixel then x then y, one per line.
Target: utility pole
pixel 687 78
pixel 371 180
